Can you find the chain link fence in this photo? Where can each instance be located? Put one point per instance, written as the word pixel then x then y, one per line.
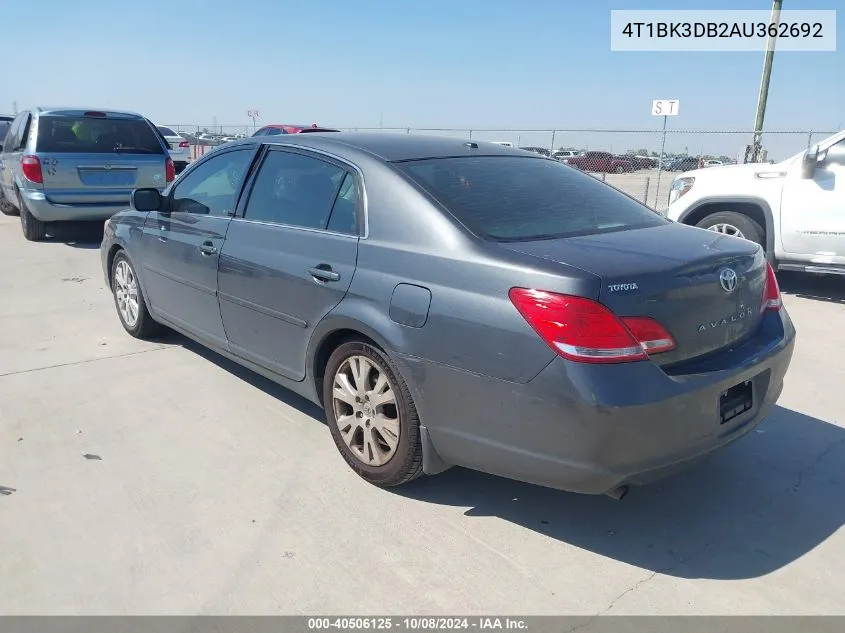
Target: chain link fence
pixel 640 162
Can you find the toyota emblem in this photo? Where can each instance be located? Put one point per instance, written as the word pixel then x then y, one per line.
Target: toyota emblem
pixel 727 279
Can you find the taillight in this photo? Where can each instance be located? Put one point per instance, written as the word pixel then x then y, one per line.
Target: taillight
pixel 584 330
pixel 31 168
pixel 652 336
pixel 169 170
pixel 183 144
pixel 771 298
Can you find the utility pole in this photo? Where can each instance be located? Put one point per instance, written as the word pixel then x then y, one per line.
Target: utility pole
pixel 762 97
pixel 15 108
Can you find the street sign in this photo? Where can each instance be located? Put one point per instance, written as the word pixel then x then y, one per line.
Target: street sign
pixel 665 107
pixel 253 114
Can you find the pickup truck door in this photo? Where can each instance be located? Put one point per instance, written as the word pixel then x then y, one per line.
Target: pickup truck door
pixel 812 210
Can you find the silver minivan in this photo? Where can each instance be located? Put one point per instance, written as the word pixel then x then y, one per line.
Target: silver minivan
pixel 64 164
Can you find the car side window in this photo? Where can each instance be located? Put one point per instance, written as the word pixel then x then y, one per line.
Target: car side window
pixel 295 190
pixel 24 135
pixel 212 187
pixel 9 143
pixel 344 216
pixel 836 153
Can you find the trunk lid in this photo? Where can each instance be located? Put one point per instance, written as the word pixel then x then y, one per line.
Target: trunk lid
pixel 679 275
pixel 99 178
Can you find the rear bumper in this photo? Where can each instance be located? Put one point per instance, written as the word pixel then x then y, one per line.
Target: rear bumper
pixel 183 156
pixel 591 428
pixel 48 211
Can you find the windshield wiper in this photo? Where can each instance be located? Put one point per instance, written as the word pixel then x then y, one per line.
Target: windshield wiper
pixel 122 149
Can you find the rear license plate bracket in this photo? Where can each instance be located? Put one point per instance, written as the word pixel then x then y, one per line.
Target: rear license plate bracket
pixel 736 401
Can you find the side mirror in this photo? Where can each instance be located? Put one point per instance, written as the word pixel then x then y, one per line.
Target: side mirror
pixel 809 162
pixel 147 200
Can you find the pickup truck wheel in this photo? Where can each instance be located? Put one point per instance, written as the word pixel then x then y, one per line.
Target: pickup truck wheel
pixel 736 224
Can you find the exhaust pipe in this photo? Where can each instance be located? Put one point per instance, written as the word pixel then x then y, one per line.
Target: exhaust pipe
pixel 618 493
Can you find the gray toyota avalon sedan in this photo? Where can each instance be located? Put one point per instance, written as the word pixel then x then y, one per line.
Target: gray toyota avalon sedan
pixel 449 302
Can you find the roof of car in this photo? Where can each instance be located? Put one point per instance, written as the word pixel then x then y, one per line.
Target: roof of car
pixel 80 111
pixel 389 146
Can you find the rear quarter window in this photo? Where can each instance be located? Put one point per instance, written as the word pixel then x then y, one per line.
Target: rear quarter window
pixel 91 135
pixel 510 198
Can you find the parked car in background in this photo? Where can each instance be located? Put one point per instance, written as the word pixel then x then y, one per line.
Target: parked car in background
pixel 178 146
pixel 644 162
pixel 5 124
pixel 284 128
pixel 78 164
pixel 537 150
pixel 683 163
pixel 565 153
pixel 458 303
pixel 601 162
pixel 795 209
pixel 712 162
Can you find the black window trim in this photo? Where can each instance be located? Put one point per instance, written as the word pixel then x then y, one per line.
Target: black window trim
pixel 25 132
pixel 361 219
pixel 168 201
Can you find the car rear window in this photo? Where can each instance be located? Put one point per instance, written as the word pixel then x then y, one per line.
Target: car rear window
pixel 511 198
pixel 166 131
pixel 94 135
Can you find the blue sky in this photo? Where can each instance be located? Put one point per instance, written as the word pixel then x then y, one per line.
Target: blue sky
pixel 433 63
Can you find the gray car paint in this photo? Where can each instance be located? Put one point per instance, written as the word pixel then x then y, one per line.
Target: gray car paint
pixel 491 394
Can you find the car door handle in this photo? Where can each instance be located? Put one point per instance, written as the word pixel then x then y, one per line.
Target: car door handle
pixel 207 248
pixel 324 272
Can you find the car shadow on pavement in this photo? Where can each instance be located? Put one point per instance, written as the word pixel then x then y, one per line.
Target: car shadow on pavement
pixel 746 511
pixel 247 375
pixel 85 235
pixel 829 288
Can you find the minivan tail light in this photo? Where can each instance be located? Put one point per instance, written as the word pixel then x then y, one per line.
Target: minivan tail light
pixel 584 330
pixel 31 168
pixel 169 170
pixel 771 298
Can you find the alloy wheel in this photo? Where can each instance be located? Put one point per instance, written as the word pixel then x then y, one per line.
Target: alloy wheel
pixel 727 229
pixel 365 410
pixel 126 292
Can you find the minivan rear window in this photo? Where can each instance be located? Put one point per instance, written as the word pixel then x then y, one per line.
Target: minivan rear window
pixel 94 135
pixel 515 198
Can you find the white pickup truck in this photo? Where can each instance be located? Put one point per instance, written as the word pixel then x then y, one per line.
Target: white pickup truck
pixel 795 209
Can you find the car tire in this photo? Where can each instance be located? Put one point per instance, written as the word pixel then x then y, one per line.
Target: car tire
pixel 6 207
pixel 129 299
pixel 380 441
pixel 733 223
pixel 33 229
pixel 620 169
